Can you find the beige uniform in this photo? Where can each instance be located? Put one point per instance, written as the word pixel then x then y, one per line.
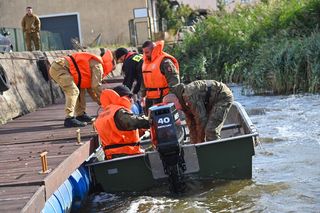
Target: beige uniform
pixel 31 28
pixel 75 97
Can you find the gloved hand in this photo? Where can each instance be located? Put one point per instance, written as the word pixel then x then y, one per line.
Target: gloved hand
pixel 145 135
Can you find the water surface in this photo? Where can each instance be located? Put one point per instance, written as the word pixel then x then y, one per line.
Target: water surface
pixel 286 167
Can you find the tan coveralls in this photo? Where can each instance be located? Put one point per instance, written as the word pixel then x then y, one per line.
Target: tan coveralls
pixel 75 97
pixel 31 28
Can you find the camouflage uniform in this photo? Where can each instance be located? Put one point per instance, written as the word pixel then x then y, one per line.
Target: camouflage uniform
pixel 128 121
pixel 75 97
pixel 206 104
pixel 172 76
pixel 31 28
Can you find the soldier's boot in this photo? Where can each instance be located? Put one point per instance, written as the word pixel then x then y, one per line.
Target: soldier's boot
pixel 85 118
pixel 73 122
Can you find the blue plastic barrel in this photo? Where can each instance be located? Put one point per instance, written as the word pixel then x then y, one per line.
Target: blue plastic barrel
pixel 80 185
pixel 70 195
pixel 52 205
pixel 64 195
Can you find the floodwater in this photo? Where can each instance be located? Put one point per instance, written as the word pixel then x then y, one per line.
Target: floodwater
pixel 286 167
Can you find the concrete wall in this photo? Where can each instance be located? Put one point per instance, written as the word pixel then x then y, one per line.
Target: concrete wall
pixel 28 88
pixel 200 4
pixel 212 4
pixel 109 17
pixel 234 3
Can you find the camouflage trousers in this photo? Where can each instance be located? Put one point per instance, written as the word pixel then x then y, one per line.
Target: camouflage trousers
pixel 217 115
pixel 32 37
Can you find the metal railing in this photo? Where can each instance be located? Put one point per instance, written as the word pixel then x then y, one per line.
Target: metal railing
pixel 49 40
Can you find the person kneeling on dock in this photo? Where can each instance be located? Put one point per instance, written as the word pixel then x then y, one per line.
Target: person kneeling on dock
pixel 75 74
pixel 206 104
pixel 117 126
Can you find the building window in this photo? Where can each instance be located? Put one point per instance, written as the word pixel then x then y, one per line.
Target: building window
pixel 228 1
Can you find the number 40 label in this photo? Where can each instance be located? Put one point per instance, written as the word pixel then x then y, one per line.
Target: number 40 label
pixel 164 120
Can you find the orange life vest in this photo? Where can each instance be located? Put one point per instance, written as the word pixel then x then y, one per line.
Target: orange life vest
pixel 154 81
pixel 115 141
pixel 80 68
pixel 108 64
pixel 129 54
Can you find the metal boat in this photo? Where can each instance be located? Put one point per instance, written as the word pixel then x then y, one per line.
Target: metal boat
pixel 229 158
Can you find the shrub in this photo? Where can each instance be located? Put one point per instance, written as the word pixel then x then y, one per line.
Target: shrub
pixel 266 46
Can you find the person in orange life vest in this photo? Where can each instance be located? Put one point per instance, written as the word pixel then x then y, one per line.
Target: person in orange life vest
pixel 160 72
pixel 109 61
pixel 117 126
pixel 75 74
pixel 132 70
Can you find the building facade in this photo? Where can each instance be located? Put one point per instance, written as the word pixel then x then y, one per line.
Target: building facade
pixel 117 22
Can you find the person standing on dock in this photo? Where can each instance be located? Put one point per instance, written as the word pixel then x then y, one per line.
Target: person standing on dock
pixel 75 74
pixel 31 28
pixel 132 70
pixel 117 126
pixel 160 72
pixel 206 104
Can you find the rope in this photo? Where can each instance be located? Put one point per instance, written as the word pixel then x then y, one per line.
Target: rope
pixel 31 59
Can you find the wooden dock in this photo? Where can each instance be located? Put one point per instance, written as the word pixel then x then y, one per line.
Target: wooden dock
pixel 23 188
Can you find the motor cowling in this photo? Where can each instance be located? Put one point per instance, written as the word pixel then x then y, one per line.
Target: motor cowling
pixel 167 135
pixel 166 129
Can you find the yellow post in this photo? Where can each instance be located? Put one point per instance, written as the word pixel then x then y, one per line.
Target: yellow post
pixel 44 162
pixel 78 137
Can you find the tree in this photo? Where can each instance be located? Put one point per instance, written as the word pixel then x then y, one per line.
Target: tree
pixel 175 15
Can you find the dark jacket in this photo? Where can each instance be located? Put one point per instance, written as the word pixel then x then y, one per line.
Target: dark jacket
pixel 132 69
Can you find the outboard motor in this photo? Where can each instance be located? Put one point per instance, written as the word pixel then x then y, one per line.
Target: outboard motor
pixel 167 135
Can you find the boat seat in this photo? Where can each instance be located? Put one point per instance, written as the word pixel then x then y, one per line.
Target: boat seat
pixel 231 126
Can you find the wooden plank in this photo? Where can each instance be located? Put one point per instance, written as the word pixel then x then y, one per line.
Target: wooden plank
pixel 29 176
pixel 36 203
pixel 25 153
pixel 66 168
pixel 13 199
pixel 12 206
pixel 43 125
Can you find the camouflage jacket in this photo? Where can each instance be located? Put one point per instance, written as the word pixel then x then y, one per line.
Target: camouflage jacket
pixel 197 104
pixel 30 23
pixel 128 121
